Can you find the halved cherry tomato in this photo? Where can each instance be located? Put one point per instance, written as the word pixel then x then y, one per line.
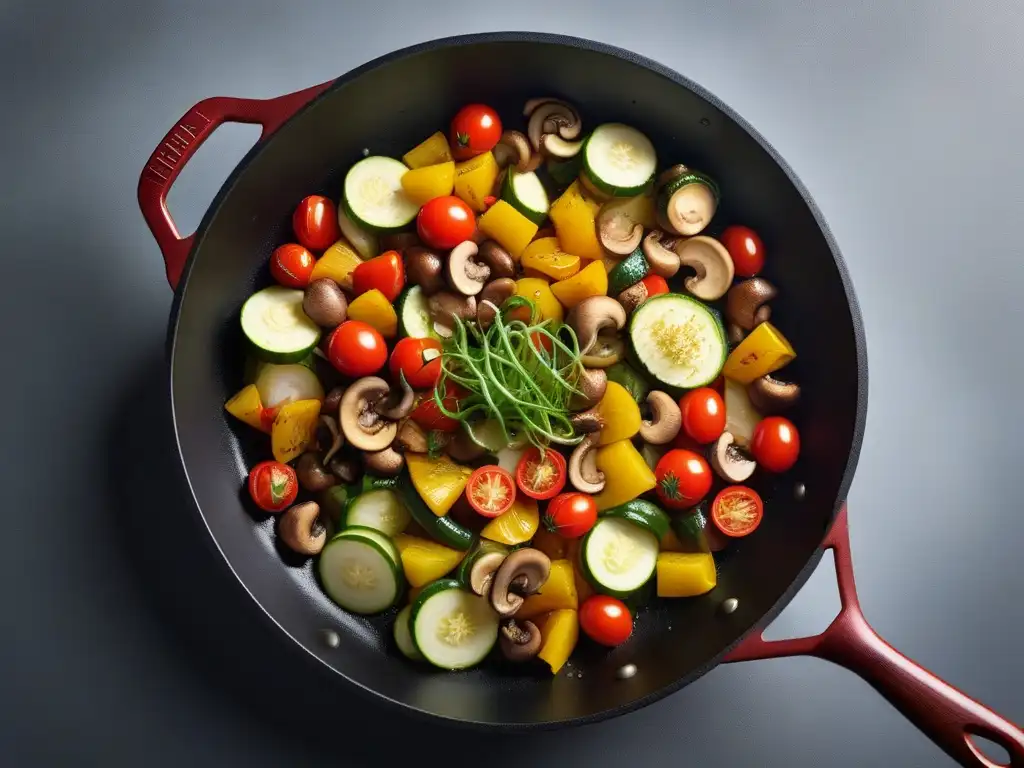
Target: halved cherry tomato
pixel 703 412
pixel 419 360
pixel 491 490
pixel 655 285
pixel 357 349
pixel 386 273
pixel 476 128
pixel 291 265
pixel 606 620
pixel 315 222
pixel 429 416
pixel 775 443
pixel 746 249
pixel 571 515
pixel 684 478
pixel 542 342
pixel 541 478
pixel 444 222
pixel 737 511
pixel 273 485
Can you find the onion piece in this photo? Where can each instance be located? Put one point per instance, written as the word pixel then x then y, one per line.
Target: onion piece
pixel 364 242
pixel 740 415
pixel 279 384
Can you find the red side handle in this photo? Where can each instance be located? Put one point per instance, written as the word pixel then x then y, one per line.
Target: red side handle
pixel 181 143
pixel 947 716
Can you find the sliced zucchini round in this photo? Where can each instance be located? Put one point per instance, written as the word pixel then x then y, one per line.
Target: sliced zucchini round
pixel 403 635
pixel 378 510
pixel 644 514
pixel 380 539
pixel 678 341
pixel 414 314
pixel 453 628
pixel 619 160
pixel 630 271
pixel 618 557
pixel 276 327
pixel 525 193
pixel 360 574
pixel 374 198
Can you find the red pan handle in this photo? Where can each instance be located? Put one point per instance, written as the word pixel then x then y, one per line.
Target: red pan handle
pixel 947 716
pixel 181 143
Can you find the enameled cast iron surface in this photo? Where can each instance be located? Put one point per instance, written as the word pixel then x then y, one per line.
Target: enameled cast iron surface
pixel 386 107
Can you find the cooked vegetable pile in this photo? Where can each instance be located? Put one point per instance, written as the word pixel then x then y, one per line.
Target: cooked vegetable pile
pixel 503 422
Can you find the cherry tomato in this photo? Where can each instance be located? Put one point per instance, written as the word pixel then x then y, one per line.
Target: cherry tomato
pixel 315 222
pixel 655 285
pixel 746 249
pixel 703 412
pixel 386 273
pixel 737 511
pixel 542 342
pixel 775 443
pixel 491 490
pixel 606 620
pixel 357 349
pixel 429 416
pixel 273 485
pixel 291 265
pixel 419 360
pixel 476 128
pixel 571 515
pixel 541 478
pixel 444 222
pixel 684 478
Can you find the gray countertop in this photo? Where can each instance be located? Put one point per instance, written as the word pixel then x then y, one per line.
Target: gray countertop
pixel 904 122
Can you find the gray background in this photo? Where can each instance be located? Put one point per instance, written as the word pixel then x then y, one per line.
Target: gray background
pixel 902 119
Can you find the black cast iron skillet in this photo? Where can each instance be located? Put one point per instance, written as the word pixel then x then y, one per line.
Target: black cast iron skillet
pixel 309 139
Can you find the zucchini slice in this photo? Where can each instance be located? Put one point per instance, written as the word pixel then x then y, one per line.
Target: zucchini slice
pixel 618 557
pixel 630 271
pixel 276 327
pixel 452 628
pixel 642 513
pixel 414 314
pixel 678 341
pixel 525 193
pixel 443 530
pixel 360 574
pixel 403 635
pixel 374 198
pixel 380 510
pixel 619 160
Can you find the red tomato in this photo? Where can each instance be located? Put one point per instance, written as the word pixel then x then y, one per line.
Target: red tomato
pixel 542 342
pixel 273 485
pixel 315 222
pixel 291 265
pixel 444 222
pixel 775 443
pixel 737 511
pixel 703 414
pixel 746 249
pixel 541 478
pixel 357 349
pixel 606 620
pixel 571 515
pixel 491 490
pixel 419 360
pixel 684 478
pixel 476 128
pixel 429 416
pixel 655 285
pixel 386 273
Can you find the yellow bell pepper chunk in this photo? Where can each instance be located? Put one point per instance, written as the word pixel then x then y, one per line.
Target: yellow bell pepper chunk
pixel 475 180
pixel 558 592
pixel 559 632
pixel 685 574
pixel 538 290
pixel 439 481
pixel 432 151
pixel 592 280
pixel 626 474
pixel 764 351
pixel 337 263
pixel 294 429
pixel 516 526
pixel 575 220
pixel 373 308
pixel 583 587
pixel 544 256
pixel 620 414
pixel 509 227
pixel 246 406
pixel 423 560
pixel 423 184
pixel 551 544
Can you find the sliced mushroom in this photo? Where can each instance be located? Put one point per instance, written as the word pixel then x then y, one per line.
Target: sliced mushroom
pixel 521 574
pixel 494 294
pixel 324 303
pixel 461 447
pixel 312 474
pixel 592 383
pixel 302 530
pixel 363 426
pixel 412 438
pixel 399 241
pixel 606 352
pixel 555 146
pixel 583 472
pixel 586 422
pixel 731 464
pixel 520 641
pixel 514 148
pixel 711 262
pixel 388 462
pixel 619 232
pixel 667 420
pixel 397 407
pixel 465 274
pixel 593 315
pixel 444 306
pixel 663 261
pixel 691 206
pixel 425 268
pixel 482 572
pixel 632 297
pixel 553 117
pixel 345 470
pixel 769 395
pixel 497 259
pixel 329 437
pixel 747 303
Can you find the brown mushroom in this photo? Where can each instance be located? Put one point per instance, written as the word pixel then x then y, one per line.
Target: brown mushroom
pixel 494 294
pixel 324 303
pixel 734 333
pixel 395 406
pixel 521 574
pixel 586 422
pixel 445 305
pixel 462 447
pixel 670 174
pixel 667 420
pixel 302 530
pixel 593 315
pixel 388 462
pixel 328 437
pixel 425 268
pixel 399 241
pixel 583 472
pixel 332 401
pixel 514 148
pixel 345 470
pixel 364 428
pixel 497 259
pixel 520 641
pixel 482 572
pixel 747 303
pixel 556 118
pixel 592 383
pixel 632 297
pixel 590 190
pixel 617 227
pixel 663 261
pixel 769 395
pixel 412 438
pixel 731 464
pixel 712 263
pixel 312 474
pixel 465 274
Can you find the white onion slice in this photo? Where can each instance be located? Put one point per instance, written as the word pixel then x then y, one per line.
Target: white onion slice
pixel 279 384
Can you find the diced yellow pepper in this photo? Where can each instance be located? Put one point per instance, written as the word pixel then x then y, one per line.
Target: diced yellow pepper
pixel 559 632
pixel 538 291
pixel 626 474
pixel 558 592
pixel 764 351
pixel 516 526
pixel 620 414
pixel 373 308
pixel 685 574
pixel 475 180
pixel 246 406
pixel 544 256
pixel 592 280
pixel 575 220
pixel 583 587
pixel 424 561
pixel 337 264
pixel 294 429
pixel 439 481
pixel 509 227
pixel 431 151
pixel 423 184
pixel 551 544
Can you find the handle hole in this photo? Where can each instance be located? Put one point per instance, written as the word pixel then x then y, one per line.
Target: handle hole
pixel 813 608
pixel 992 752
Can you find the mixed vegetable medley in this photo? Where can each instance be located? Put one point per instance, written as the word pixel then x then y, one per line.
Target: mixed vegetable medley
pixel 501 419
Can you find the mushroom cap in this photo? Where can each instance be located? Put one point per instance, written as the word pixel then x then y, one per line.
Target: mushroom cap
pixel 465 274
pixel 364 428
pixel 593 383
pixel 324 303
pixel 336 439
pixel 424 267
pixel 632 297
pixel 462 447
pixel 745 304
pixel 388 462
pixel 345 470
pixel 594 314
pixel 520 641
pixel 553 117
pixel 497 258
pixel 412 437
pixel 712 263
pixel 663 262
pixel 522 573
pixel 494 294
pixel 769 395
pixel 445 305
pixel 583 472
pixel 729 462
pixel 483 570
pixel 311 473
pixel 667 420
pixel 618 231
pixel 556 146
pixel 514 148
pixel 301 529
pixel 396 408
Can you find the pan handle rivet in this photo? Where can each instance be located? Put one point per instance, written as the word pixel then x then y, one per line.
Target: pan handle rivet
pixel 332 638
pixel 799 491
pixel 626 671
pixel 730 605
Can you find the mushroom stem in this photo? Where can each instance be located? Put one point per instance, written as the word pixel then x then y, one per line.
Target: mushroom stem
pixel 520 641
pixel 592 383
pixel 301 529
pixel 663 261
pixel 388 462
pixel 311 473
pixel 522 573
pixel 747 303
pixel 592 315
pixel 390 409
pixel 769 395
pixel 667 420
pixel 337 440
pixel 583 472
